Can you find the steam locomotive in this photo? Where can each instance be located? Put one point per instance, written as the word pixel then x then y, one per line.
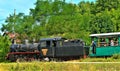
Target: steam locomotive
pixel 48 49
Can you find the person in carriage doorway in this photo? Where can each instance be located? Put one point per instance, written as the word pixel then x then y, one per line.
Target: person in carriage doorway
pixel 93 47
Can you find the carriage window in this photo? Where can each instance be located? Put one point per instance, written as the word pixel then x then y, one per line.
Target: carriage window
pixel 60 43
pixel 48 43
pixel 116 42
pixel 43 44
pixel 102 42
pixel 111 41
pixel 106 39
pixel 54 43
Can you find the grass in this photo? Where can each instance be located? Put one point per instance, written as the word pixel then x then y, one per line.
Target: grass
pixel 110 59
pixel 53 66
pixel 99 60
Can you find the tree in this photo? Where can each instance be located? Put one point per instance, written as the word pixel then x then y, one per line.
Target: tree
pixel 101 23
pixel 58 18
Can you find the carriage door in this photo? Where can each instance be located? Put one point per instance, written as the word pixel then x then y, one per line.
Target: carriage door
pixel 48 44
pixel 54 44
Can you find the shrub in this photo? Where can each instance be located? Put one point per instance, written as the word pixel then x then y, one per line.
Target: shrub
pixel 4 47
pixel 116 56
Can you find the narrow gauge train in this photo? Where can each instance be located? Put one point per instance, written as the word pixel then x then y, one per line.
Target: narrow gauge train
pixel 105 45
pixel 49 49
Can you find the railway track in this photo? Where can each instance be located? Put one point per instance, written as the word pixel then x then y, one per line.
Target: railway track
pixel 89 62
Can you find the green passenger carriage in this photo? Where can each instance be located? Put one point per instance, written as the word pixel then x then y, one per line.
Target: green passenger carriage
pixel 107 44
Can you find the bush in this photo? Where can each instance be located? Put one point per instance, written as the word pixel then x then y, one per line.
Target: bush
pixel 116 56
pixel 4 47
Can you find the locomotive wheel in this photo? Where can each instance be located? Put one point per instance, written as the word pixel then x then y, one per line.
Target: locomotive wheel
pixel 12 58
pixel 19 60
pixel 46 59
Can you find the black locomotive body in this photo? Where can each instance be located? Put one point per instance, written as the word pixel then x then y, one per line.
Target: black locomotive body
pixel 51 48
pixel 60 48
pixel 24 47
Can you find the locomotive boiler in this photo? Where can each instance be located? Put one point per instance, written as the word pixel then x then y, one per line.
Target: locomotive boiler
pixel 26 47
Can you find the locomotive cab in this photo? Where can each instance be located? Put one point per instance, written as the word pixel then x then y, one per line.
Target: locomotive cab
pixel 48 45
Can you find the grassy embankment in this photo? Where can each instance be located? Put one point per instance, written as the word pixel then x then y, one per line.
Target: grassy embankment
pixel 50 66
pixel 54 66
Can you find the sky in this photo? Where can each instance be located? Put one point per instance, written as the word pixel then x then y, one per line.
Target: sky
pixel 7 7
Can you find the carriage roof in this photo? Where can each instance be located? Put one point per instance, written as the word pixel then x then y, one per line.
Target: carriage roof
pixel 105 34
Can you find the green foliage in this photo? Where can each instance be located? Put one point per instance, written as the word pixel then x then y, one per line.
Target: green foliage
pixel 116 56
pixel 101 23
pixel 4 47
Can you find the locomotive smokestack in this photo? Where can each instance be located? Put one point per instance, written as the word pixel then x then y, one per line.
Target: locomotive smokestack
pixel 34 40
pixel 13 41
pixel 26 41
